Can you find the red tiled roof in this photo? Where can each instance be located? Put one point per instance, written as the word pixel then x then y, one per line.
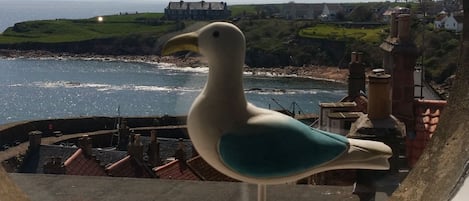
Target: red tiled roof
pixel 427 116
pixel 80 164
pixel 129 167
pixel 173 170
pixel 205 171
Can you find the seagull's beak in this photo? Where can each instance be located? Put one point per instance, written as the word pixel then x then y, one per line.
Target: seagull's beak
pixel 187 41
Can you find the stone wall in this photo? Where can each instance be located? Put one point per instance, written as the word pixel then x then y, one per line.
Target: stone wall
pixel 18 131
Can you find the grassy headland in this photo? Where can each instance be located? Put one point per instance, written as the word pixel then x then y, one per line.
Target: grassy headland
pixel 271 42
pixel 63 30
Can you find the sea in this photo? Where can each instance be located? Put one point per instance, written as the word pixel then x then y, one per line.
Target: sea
pixel 59 88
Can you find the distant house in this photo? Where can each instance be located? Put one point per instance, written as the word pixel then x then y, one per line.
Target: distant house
pixel 398 10
pixel 330 11
pixel 196 10
pixel 440 19
pixel 454 23
pixel 451 23
pixel 324 12
pixel 300 11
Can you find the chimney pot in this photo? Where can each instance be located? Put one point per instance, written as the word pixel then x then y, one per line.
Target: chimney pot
pixel 359 57
pixel 394 25
pixel 353 57
pixel 123 135
pixel 153 137
pixel 356 78
pixel 404 28
pixel 85 144
pixel 379 95
pixel 34 139
pixel 180 155
pixel 154 150
pixel 136 147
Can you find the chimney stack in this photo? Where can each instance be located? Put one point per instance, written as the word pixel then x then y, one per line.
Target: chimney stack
pixel 356 78
pixel 379 124
pixel 85 144
pixel 404 28
pixel 379 95
pixel 123 136
pixel 180 155
pixel 394 25
pixel 154 150
pixel 34 140
pixel 135 149
pixel 399 59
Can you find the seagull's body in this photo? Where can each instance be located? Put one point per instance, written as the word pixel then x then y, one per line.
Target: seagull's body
pixel 253 144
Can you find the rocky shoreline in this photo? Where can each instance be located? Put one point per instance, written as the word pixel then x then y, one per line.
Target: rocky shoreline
pixel 326 73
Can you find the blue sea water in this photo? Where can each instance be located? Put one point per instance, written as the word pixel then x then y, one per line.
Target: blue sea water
pixel 45 88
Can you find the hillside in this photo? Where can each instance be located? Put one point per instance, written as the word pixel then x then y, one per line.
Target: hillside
pixel 271 42
pixel 138 34
pixel 115 34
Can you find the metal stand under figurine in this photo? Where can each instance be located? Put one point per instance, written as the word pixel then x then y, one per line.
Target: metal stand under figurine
pixel 252 144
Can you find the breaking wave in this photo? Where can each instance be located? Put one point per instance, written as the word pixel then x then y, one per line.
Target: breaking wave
pixel 149 88
pixel 105 87
pixel 174 68
pixel 289 91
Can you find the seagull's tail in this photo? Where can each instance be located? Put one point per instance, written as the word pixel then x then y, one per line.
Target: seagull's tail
pixel 364 154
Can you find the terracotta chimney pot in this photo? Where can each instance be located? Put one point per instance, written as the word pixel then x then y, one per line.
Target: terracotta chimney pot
pixel 379 95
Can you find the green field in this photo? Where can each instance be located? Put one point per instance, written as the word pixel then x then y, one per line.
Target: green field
pixel 238 10
pixel 64 30
pixel 327 31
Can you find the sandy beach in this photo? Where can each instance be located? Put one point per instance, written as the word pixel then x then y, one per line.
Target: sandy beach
pixel 333 74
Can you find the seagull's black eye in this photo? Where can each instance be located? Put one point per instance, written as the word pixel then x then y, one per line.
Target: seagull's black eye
pixel 215 34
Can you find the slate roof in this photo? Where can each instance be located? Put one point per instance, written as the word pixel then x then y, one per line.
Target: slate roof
pixel 202 5
pixel 80 164
pixel 34 161
pixel 129 167
pixel 107 157
pixel 168 146
pixel 427 115
pixel 174 170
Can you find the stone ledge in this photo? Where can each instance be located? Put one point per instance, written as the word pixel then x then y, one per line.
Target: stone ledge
pixel 60 187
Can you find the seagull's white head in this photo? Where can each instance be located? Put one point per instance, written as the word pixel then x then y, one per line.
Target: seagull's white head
pixel 218 41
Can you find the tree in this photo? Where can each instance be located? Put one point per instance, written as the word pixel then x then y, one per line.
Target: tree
pixel 361 14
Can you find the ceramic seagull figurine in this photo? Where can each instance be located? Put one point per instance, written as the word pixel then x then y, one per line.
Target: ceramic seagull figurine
pixel 252 144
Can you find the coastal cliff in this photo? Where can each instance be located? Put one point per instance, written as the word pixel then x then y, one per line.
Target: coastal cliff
pixel 133 45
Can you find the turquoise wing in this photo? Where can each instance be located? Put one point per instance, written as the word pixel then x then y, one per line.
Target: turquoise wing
pixel 278 149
